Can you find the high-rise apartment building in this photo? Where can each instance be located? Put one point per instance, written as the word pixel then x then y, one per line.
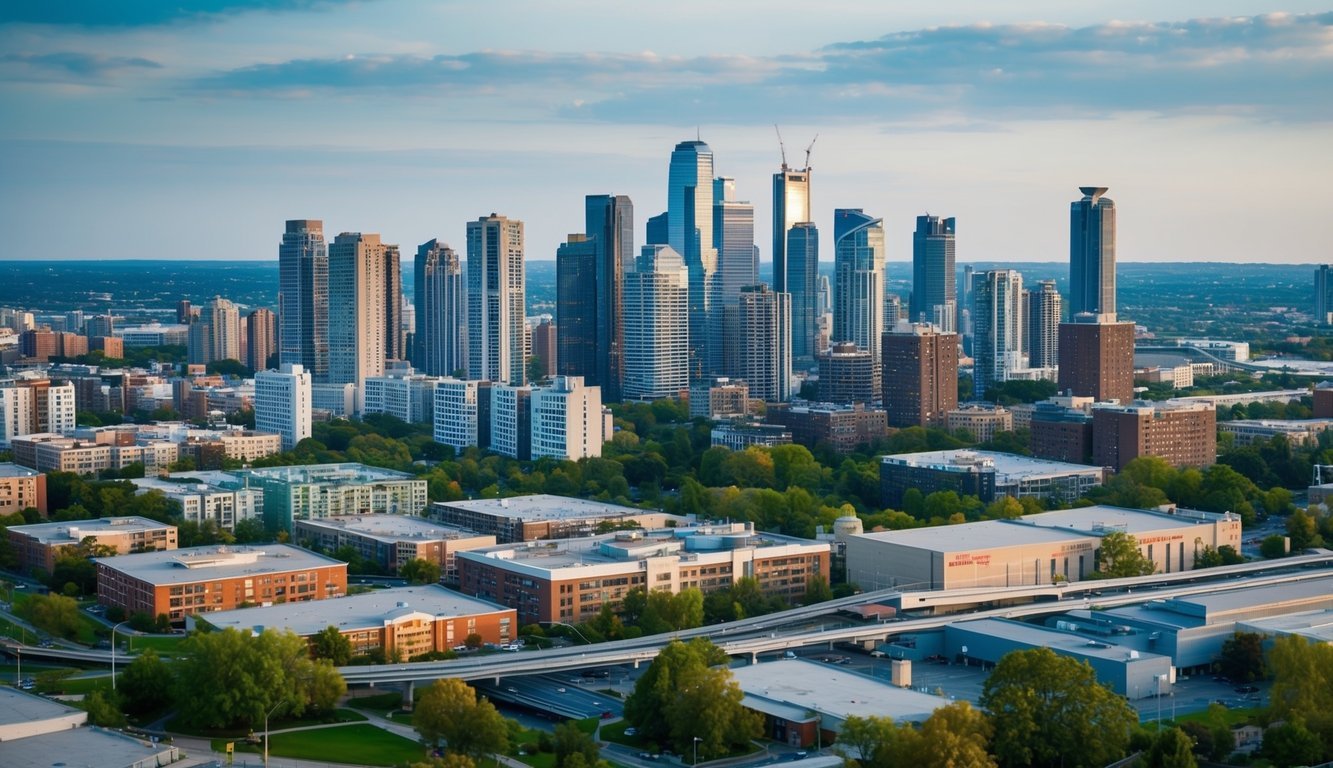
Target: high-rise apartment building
pixel 933 292
pixel 656 306
pixel 998 326
pixel 261 338
pixel 462 416
pixel 282 403
pixel 401 392
pixel 567 420
pixel 791 206
pixel 545 346
pixel 848 375
pixel 1323 295
pixel 1184 434
pixel 440 337
pixel 511 421
pixel 303 298
pixel 31 406
pixel 765 357
pixel 1092 253
pixel 858 279
pixel 1043 336
pixel 216 335
pixel 803 280
pixel 733 237
pixel 361 309
pixel 99 325
pixel 395 338
pixel 1097 358
pixel 920 374
pixel 576 306
pixel 690 233
pixel 495 295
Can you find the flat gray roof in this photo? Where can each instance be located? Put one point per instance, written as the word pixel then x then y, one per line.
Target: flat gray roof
pixel 20 707
pixel 346 472
pixel 1101 518
pixel 73 531
pixel 368 610
pixel 544 506
pixel 391 528
pixel 186 566
pixel 1010 466
pixel 1214 606
pixel 1312 625
pixel 83 746
pixel 1036 636
pixel 806 685
pixel 10 469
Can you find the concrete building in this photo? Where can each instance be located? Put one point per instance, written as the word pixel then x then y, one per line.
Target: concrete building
pixel 1043 333
pixel 1035 549
pixel 848 374
pixel 303 304
pixel 201 579
pixel 656 325
pixel 204 501
pixel 842 427
pixel 999 324
pixel 1298 432
pixel 495 294
pixel 567 420
pixel 571 579
pixel 920 375
pixel 35 729
pixel 984 474
pixel 981 420
pixel 1179 377
pixel 1097 358
pixel 88 455
pixel 440 336
pixel 401 392
pixel 21 488
pixel 261 339
pixel 408 621
pixel 738 436
pixel 462 414
pixel 545 346
pixel 283 403
pixel 363 309
pixel 765 361
pixel 154 335
pixel 35 405
pixel 391 540
pixel 1185 434
pixel 1061 429
pixel 719 398
pixel 39 545
pixel 543 516
pixel 217 333
pixel 511 421
pixel 329 490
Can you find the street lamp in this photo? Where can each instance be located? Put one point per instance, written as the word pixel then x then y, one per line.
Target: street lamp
pixel 585 640
pixel 696 749
pixel 113 653
pixel 268 714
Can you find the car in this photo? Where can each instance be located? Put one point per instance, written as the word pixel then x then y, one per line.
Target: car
pixel 559 690
pixel 631 731
pixel 801 755
pixel 788 655
pixel 461 649
pixel 511 689
pixel 607 715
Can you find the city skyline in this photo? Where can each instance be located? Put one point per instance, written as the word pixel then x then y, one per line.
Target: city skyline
pixel 221 122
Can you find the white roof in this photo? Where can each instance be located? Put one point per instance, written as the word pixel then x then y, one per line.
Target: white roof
pixel 544 506
pixel 368 610
pixel 186 566
pixel 1009 467
pixel 74 531
pixel 806 685
pixel 391 528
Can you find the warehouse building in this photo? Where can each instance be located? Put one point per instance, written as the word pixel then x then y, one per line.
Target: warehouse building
pixel 543 516
pixel 984 474
pixel 1034 549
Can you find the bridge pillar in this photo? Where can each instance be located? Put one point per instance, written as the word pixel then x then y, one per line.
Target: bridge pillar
pixel 754 658
pixel 408 689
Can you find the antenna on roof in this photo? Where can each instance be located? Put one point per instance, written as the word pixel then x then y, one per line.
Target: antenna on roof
pixel 781 147
pixel 807 152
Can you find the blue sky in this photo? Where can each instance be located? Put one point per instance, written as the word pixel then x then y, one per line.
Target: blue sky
pixel 191 129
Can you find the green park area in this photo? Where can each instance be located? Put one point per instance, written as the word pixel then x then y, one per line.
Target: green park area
pixel 361 744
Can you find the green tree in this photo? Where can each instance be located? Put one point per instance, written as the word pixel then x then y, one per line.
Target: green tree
pixel 1119 556
pixel 816 590
pixel 663 682
pixel 1292 743
pixel 251 531
pixel 56 614
pixel 450 710
pixel 1171 749
pixel 103 709
pixel 419 571
pixel 145 685
pixel 1049 710
pixel 1273 547
pixel 706 706
pixel 1242 657
pixel 1303 531
pixel 956 736
pixel 332 645
pixel 570 740
pixel 878 742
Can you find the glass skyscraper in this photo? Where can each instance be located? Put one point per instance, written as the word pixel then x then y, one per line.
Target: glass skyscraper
pixel 690 233
pixel 576 306
pixel 802 250
pixel 303 299
pixel 495 293
pixel 791 206
pixel 1092 253
pixel 998 323
pixel 440 340
pixel 858 279
pixel 933 296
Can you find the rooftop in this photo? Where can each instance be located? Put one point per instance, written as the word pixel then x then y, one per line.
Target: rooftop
pixel 1241 604
pixel 327 473
pixel 1042 637
pixel 805 685
pixel 544 506
pixel 74 531
pixel 369 610
pixel 84 746
pixel 1312 625
pixel 1009 467
pixel 391 528
pixel 19 707
pixel 186 566
pixel 10 469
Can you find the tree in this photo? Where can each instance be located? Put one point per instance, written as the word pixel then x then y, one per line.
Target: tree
pixel 1291 743
pixel 450 710
pixel 682 695
pixel 103 708
pixel 1049 710
pixel 56 614
pixel 1171 749
pixel 570 741
pixel 332 645
pixel 1119 556
pixel 250 531
pixel 953 737
pixel 878 742
pixel 1273 547
pixel 419 571
pixel 816 590
pixel 1242 657
pixel 145 685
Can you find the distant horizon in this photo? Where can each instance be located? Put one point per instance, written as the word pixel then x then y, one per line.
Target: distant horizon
pixel 407 261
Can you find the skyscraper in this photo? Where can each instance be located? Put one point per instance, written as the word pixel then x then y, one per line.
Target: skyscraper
pixel 440 338
pixel 1323 295
pixel 997 306
pixel 733 237
pixel 791 206
pixel 690 233
pixel 1092 253
pixel 657 340
pixel 282 403
pixel 576 306
pixel 360 308
pixel 802 274
pixel 1043 316
pixel 495 296
pixel 261 338
pixel 765 359
pixel 858 279
pixel 395 338
pixel 217 333
pixel 303 299
pixel 933 297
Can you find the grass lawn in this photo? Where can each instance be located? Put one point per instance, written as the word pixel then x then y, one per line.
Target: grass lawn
pixel 358 743
pixel 615 732
pixel 1233 716
pixel 165 645
pixel 76 685
pixel 381 702
pixel 22 634
pixel 229 734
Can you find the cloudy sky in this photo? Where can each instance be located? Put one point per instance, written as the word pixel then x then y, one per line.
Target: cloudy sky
pixel 191 129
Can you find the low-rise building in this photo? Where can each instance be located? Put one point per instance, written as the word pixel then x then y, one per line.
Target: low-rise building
pixel 201 501
pixel 569 580
pixel 1301 433
pixel 328 490
pixel 180 582
pixel 402 392
pixel 981 420
pixel 543 516
pixel 389 541
pixel 21 488
pixel 1184 434
pixel 739 436
pixel 842 427
pixel 1061 429
pixel 719 398
pixel 35 730
pixel 41 544
pixel 984 474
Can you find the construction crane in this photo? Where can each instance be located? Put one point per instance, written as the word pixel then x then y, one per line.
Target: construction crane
pixel 807 152
pixel 781 147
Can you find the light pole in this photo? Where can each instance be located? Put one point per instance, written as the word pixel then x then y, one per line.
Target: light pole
pixel 268 714
pixel 696 749
pixel 113 653
pixel 585 640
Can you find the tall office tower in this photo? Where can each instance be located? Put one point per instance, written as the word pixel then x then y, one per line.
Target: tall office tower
pixel 997 304
pixel 576 306
pixel 802 276
pixel 933 297
pixel 567 420
pixel 658 231
pixel 690 233
pixel 1092 253
pixel 440 338
pixel 920 376
pixel 99 325
pixel 1043 333
pixel 657 336
pixel 893 310
pixel 791 206
pixel 1097 358
pixel 217 333
pixel 184 313
pixel 733 237
pixel 395 347
pixel 1323 295
pixel 964 325
pixel 261 338
pixel 765 359
pixel 858 279
pixel 282 403
pixel 303 297
pixel 359 308
pixel 495 295
pixel 609 223
pixel 74 321
pixel 544 346
pixel 824 305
